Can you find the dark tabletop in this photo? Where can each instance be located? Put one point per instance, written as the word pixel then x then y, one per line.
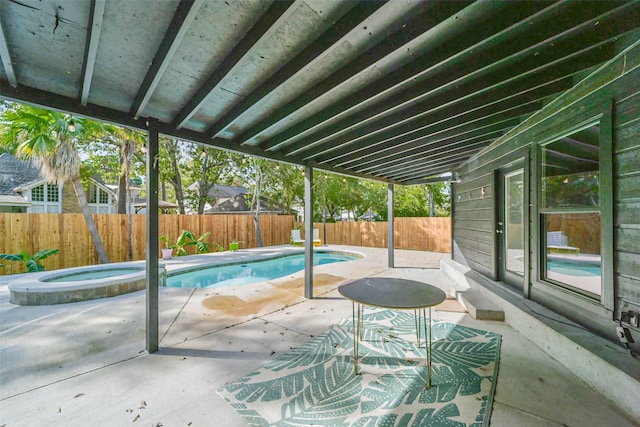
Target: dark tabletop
pixel 389 292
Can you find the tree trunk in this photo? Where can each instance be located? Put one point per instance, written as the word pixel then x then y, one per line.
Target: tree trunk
pixel 176 181
pixel 256 222
pixel 432 202
pixel 256 201
pixel 93 229
pixel 122 195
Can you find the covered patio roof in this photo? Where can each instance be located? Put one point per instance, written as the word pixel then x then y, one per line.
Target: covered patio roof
pixel 399 91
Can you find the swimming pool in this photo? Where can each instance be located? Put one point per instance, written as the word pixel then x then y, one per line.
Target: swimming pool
pixel 92 274
pixel 77 284
pixel 252 272
pixel 579 268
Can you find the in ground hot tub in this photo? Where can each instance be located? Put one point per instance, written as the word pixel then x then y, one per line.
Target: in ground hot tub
pixel 78 284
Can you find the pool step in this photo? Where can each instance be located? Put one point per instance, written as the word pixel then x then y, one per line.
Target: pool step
pixel 478 306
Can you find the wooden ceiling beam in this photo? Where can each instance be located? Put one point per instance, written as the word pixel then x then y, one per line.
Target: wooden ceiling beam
pixel 403 32
pixel 182 18
pixel 475 95
pixel 444 91
pixel 425 146
pixel 429 169
pixel 358 13
pixel 437 55
pixel 6 59
pixel 428 175
pixel 94 28
pixel 441 151
pixel 264 24
pixel 476 109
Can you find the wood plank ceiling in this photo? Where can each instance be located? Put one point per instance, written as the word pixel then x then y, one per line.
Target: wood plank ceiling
pixel 399 91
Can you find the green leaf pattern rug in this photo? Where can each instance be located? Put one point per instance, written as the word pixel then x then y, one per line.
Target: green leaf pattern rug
pixel 315 385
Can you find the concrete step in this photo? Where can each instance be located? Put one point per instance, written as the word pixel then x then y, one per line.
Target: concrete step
pixel 478 306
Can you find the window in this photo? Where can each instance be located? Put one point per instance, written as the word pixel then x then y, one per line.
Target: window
pixel 104 196
pixel 37 193
pixel 571 211
pixel 45 198
pixel 53 195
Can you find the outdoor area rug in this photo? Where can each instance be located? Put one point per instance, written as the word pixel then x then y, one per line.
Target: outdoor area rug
pixel 315 384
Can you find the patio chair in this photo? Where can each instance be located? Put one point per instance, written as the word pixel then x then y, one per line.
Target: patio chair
pixel 295 238
pixel 316 238
pixel 558 242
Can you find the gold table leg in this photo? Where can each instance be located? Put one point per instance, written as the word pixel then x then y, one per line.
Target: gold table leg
pixel 421 320
pixel 357 332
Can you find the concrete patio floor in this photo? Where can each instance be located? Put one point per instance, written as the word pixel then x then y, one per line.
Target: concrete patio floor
pixel 84 363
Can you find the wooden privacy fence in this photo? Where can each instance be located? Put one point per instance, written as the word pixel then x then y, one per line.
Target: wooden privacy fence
pixel 425 234
pixel 69 234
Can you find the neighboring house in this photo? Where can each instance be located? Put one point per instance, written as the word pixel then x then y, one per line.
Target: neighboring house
pixel 231 199
pixel 22 189
pixel 137 203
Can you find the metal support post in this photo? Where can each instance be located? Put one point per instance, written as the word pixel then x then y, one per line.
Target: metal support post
pixel 390 228
pixel 308 232
pixel 152 238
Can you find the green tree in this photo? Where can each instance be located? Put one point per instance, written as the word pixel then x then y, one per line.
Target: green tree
pixel 205 167
pixel 171 157
pixel 410 201
pixel 249 170
pixel 283 185
pixel 50 140
pixel 374 198
pixel 439 198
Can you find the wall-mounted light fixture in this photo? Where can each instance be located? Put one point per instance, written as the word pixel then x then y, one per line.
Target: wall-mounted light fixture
pixel 454 178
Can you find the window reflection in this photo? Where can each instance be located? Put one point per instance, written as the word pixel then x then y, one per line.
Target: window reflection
pixel 514 233
pixel 571 211
pixel 571 168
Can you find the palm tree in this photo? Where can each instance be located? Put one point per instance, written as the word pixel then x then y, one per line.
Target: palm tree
pixel 126 140
pixel 48 138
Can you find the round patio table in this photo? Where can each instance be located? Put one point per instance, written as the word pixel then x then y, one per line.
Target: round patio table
pixel 396 294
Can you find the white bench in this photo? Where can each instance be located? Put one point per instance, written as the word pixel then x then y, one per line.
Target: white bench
pixel 557 242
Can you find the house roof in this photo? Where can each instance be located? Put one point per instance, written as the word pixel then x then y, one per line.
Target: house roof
pixel 16 173
pixel 162 205
pixel 226 191
pixel 13 200
pixel 398 91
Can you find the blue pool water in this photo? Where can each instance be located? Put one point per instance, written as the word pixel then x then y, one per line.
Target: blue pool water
pixel 574 268
pixel 252 272
pixel 94 274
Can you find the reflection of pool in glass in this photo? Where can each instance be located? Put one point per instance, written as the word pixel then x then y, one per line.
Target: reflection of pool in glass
pixel 252 272
pixel 579 268
pixel 93 274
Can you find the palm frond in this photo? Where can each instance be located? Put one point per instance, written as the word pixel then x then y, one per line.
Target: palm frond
pixel 45 253
pixel 11 257
pixel 34 266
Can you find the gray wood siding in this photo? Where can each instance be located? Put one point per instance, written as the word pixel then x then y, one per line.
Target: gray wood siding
pixel 616 84
pixel 627 200
pixel 475 217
